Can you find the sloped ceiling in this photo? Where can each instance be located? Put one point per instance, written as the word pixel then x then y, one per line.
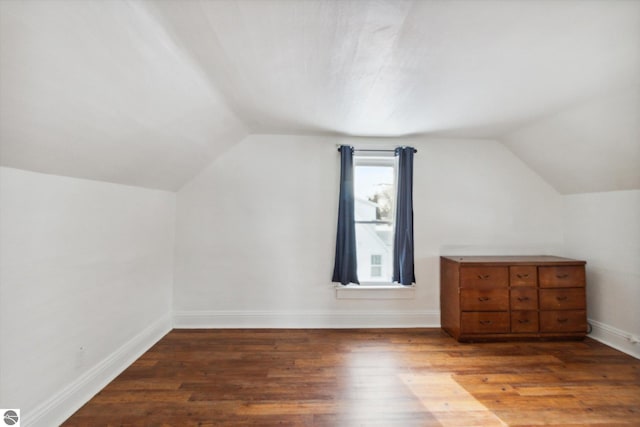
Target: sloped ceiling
pixel 98 89
pixel 590 147
pixel 148 92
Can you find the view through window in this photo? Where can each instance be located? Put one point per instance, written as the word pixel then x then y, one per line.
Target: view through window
pixel 375 193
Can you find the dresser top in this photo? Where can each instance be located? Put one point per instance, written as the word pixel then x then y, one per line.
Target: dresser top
pixel 514 260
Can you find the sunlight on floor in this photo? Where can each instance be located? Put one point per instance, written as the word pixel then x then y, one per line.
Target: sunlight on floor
pixel 448 401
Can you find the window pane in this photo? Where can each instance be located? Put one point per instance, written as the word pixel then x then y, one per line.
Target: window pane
pixel 374 243
pixel 374 187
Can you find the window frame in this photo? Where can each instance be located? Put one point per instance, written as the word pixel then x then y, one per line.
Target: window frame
pixel 364 159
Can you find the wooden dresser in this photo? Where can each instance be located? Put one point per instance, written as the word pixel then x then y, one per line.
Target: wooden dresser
pixel 512 297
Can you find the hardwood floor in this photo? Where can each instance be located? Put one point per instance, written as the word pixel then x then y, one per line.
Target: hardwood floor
pixel 380 377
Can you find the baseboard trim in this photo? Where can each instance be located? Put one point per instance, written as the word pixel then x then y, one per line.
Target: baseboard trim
pixel 616 338
pixel 305 319
pixel 63 404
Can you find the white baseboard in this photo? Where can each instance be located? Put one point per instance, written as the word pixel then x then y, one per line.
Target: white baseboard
pixel 68 400
pixel 306 319
pixel 616 338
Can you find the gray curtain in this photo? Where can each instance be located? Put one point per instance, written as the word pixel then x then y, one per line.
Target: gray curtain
pixel 403 239
pixel 345 268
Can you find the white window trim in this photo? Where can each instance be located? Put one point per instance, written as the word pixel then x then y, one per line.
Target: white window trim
pixel 378 158
pixel 375 291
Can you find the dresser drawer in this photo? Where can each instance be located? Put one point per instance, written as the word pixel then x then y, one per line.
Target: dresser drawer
pixel 562 299
pixel 524 299
pixel 484 299
pixel 485 322
pixel 484 277
pixel 561 277
pixel 523 275
pixel 524 321
pixel 563 321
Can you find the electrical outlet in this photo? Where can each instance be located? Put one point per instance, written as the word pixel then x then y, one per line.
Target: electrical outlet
pixel 80 357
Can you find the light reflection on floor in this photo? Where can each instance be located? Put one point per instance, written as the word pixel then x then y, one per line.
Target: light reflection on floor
pixel 381 383
pixel 375 395
pixel 448 401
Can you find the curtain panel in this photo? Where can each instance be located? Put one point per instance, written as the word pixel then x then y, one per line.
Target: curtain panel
pixel 403 262
pixel 345 268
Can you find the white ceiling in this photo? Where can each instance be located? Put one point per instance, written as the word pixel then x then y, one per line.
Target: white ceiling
pixel 591 147
pixel 148 92
pixel 97 89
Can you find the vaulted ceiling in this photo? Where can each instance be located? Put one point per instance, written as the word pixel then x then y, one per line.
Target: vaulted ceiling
pixel 149 92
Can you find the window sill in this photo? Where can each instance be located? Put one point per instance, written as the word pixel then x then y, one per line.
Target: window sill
pixel 390 291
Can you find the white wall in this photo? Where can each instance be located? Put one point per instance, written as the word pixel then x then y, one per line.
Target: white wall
pixel 86 281
pixel 603 228
pixel 256 230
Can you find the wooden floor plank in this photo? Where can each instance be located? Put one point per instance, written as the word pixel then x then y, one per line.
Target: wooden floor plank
pixel 370 377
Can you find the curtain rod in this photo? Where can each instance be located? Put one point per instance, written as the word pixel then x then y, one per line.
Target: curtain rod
pixel 378 151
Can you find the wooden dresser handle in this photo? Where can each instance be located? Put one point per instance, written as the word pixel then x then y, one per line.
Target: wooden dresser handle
pixel 562 276
pixel 523 321
pixel 483 299
pixel 562 320
pixel 485 322
pixel 523 299
pixel 483 276
pixel 562 298
pixel 522 276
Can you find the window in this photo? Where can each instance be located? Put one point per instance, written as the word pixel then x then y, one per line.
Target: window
pixel 367 215
pixel 375 194
pixel 376 265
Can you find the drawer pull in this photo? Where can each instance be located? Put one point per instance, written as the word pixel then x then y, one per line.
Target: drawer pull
pixel 483 276
pixel 523 321
pixel 562 320
pixel 522 276
pixel 521 299
pixel 486 322
pixel 562 276
pixel 483 299
pixel 562 298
